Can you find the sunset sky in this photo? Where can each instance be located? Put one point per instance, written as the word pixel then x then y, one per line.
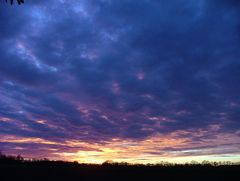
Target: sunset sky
pixel 140 81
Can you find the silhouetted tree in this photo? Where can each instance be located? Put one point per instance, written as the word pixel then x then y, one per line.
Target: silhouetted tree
pixel 206 163
pixel 19 158
pixel 18 1
pixel 107 163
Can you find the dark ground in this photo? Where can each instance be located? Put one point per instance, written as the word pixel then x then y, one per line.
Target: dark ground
pixel 15 168
pixel 46 171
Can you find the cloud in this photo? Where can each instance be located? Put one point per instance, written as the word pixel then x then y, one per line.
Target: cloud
pixel 97 71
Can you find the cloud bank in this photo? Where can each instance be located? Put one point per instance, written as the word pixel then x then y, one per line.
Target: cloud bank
pixel 88 76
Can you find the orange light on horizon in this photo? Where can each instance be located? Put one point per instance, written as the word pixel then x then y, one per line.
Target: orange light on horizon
pixel 177 146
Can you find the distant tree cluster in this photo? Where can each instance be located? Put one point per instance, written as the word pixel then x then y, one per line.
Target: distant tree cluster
pixel 9 159
pixel 168 164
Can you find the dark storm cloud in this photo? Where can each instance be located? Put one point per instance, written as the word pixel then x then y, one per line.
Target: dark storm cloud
pixel 96 70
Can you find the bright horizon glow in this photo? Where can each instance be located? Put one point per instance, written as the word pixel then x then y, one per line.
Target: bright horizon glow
pixel 130 151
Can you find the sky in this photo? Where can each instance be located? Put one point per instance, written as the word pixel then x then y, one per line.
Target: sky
pixel 139 81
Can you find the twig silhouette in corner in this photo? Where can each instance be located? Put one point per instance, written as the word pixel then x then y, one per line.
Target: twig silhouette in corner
pixel 18 1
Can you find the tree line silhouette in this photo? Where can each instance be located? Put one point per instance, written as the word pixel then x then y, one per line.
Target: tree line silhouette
pixel 109 163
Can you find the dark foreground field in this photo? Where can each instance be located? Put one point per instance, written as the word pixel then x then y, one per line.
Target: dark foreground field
pixel 48 170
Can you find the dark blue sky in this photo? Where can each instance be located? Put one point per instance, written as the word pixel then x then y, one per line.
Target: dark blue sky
pixel 74 74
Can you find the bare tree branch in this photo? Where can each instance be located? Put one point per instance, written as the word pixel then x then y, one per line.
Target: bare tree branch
pixel 18 1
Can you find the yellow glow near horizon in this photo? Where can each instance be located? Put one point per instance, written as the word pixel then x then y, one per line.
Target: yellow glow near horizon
pixel 143 151
pixel 160 147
